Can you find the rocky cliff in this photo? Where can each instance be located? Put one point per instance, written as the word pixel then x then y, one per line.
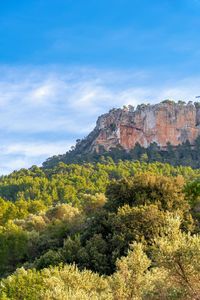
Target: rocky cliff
pixel 161 123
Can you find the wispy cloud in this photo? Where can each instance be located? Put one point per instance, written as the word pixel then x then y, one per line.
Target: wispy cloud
pixel 35 149
pixel 44 110
pixel 23 155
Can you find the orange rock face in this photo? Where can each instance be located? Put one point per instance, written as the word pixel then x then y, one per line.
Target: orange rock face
pixel 160 123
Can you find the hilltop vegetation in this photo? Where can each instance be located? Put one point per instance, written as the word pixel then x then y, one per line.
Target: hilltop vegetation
pixel 185 154
pixel 126 230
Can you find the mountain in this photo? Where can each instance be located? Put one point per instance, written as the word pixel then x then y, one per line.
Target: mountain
pixel 161 123
pixel 123 129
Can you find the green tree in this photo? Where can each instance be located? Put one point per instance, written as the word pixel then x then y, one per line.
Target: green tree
pixel 179 254
pixel 13 247
pixel 147 188
pixel 134 279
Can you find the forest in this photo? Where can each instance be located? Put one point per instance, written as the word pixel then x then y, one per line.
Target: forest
pixel 185 154
pixel 106 230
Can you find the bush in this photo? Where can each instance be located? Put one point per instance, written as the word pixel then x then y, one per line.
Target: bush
pixel 145 189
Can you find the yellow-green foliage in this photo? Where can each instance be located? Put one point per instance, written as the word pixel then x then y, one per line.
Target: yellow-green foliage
pixel 34 190
pixel 52 219
pixel 132 277
pixel 172 272
pixel 147 188
pixel 179 253
pixel 139 223
pixel 23 240
pixel 55 283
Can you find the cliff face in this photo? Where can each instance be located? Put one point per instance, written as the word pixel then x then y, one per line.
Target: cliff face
pixel 160 123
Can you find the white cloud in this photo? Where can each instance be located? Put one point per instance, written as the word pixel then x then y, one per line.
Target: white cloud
pixel 23 155
pixel 36 149
pixel 43 110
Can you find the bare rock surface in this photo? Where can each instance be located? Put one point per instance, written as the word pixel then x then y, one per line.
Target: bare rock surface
pixel 161 123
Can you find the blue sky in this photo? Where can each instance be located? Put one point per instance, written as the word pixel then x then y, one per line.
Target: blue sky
pixel 64 62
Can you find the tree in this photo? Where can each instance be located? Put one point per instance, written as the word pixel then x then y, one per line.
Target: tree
pixel 147 188
pixel 134 279
pixel 141 223
pixel 179 254
pixel 93 203
pixel 50 258
pixel 60 283
pixel 13 247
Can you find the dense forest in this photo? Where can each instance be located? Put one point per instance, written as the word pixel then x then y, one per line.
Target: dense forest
pixel 185 154
pixel 104 230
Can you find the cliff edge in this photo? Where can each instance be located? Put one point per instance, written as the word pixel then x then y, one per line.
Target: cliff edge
pixel 161 123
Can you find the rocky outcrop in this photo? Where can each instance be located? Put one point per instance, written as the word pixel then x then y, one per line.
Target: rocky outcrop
pixel 160 123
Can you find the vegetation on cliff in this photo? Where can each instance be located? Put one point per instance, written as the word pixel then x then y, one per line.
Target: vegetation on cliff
pixel 184 154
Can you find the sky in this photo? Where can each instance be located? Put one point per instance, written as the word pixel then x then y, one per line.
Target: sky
pixel 64 62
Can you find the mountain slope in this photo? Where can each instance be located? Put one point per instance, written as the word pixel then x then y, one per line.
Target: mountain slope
pixel 165 132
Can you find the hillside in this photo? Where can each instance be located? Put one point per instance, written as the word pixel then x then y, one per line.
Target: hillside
pixel 165 132
pixel 100 231
pixel 108 225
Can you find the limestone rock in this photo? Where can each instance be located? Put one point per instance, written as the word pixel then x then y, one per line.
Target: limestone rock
pixel 161 123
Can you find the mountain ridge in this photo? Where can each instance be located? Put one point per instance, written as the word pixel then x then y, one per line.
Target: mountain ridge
pixel 166 132
pixel 160 123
